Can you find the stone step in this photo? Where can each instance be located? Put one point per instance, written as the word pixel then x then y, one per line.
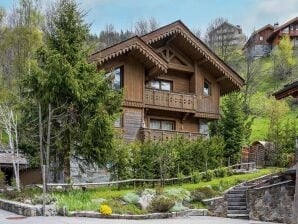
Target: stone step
pixel 236 199
pixel 236 195
pixel 236 207
pixel 238 216
pixel 235 203
pixel 237 212
pixel 237 192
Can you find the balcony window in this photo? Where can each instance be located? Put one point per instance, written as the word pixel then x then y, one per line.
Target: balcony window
pixel 116 77
pixel 162 124
pixel 161 85
pixel 203 127
pixel 207 90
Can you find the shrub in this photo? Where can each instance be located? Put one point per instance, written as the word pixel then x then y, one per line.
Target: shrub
pixel 220 172
pixel 207 191
pixel 196 177
pixel 229 171
pixel 119 208
pixel 38 199
pixel 105 210
pixel 208 175
pixel 179 194
pixel 131 198
pixel 2 179
pixel 161 204
pixel 197 196
pixel 178 207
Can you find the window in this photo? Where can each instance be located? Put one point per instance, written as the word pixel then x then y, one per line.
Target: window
pixel 116 77
pixel 118 123
pixel 286 30
pixel 261 38
pixel 161 85
pixel 203 127
pixel 207 91
pixel 162 124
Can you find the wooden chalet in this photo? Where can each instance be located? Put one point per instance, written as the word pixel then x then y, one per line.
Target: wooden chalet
pixel 172 83
pixel 289 28
pixel 288 90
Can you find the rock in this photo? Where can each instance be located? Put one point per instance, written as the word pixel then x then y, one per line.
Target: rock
pixel 145 200
pixel 131 197
pixel 178 207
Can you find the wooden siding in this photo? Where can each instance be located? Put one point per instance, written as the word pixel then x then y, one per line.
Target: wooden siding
pixel 132 122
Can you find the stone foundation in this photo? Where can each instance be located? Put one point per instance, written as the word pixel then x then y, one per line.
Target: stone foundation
pixel 217 206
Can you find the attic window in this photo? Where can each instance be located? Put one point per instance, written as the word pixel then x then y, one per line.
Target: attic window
pixel 261 38
pixel 207 88
pixel 116 77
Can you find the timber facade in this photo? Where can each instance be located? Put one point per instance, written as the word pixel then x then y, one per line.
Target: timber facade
pixel 172 83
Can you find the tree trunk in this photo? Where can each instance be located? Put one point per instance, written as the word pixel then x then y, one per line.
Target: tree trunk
pixel 48 145
pixel 67 155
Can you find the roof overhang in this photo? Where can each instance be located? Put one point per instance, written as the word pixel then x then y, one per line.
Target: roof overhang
pixel 288 90
pixel 133 45
pixel 229 79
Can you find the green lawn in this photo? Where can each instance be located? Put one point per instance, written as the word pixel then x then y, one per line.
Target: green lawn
pixel 82 200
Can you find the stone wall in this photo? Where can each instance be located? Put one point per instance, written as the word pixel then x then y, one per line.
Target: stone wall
pixel 87 174
pixel 271 203
pixel 20 208
pixel 217 206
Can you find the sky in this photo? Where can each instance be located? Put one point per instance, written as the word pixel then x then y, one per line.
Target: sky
pixel 249 14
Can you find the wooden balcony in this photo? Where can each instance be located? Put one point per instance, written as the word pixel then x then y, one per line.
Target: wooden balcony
pixel 156 134
pixel 170 100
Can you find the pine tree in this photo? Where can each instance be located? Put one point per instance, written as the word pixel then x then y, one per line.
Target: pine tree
pixel 81 99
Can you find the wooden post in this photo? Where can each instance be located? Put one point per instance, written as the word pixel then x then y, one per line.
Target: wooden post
pixel 44 190
pixel 295 205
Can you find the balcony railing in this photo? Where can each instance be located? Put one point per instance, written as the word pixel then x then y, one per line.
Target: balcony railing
pixel 172 100
pixel 156 134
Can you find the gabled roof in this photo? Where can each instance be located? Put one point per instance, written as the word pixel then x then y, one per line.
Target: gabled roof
pixel 143 45
pixel 276 30
pixel 288 90
pixel 131 44
pixel 228 24
pixel 268 26
pixel 178 27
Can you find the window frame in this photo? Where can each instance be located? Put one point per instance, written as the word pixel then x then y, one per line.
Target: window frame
pixel 159 84
pixel 209 88
pixel 113 72
pixel 161 125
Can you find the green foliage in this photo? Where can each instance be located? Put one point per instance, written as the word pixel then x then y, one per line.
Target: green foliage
pixel 220 172
pixel 199 194
pixel 2 179
pixel 196 177
pixel 119 208
pixel 161 204
pixel 208 175
pixel 81 97
pixel 166 159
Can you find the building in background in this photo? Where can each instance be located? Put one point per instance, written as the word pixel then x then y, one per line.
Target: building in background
pixel 257 44
pixel 263 41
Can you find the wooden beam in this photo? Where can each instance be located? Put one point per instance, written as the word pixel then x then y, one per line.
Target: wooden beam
pixel 181 67
pixel 221 78
pixel 200 62
pixel 152 73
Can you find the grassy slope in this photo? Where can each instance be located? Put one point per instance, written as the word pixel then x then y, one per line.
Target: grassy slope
pixel 78 200
pixel 268 86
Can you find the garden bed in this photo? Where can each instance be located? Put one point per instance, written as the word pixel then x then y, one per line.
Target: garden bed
pixel 182 197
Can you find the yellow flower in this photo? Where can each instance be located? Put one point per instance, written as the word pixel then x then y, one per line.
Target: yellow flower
pixel 105 210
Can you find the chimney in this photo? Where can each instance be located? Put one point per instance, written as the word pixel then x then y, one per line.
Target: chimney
pixel 276 25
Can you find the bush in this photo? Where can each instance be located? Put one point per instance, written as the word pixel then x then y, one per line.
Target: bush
pixel 207 191
pixel 208 175
pixel 2 179
pixel 105 210
pixel 179 194
pixel 197 196
pixel 196 177
pixel 220 172
pixel 119 208
pixel 131 198
pixel 230 171
pixel 161 204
